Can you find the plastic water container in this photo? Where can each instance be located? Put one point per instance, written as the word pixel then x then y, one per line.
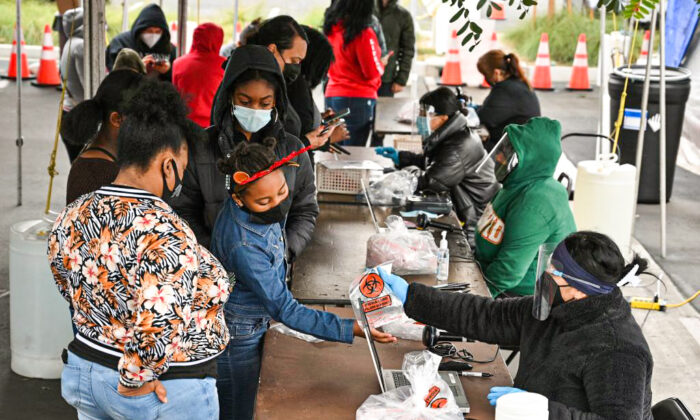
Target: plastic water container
pixel 522 406
pixel 604 199
pixel 40 325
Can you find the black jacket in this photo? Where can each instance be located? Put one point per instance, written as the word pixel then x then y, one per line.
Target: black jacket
pixel 589 358
pixel 151 15
pixel 204 187
pixel 510 102
pixel 397 25
pixel 450 157
pixel 301 98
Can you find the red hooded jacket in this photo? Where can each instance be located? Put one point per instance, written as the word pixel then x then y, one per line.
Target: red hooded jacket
pixel 357 69
pixel 198 74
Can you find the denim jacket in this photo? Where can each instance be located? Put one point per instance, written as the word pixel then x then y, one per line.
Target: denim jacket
pixel 254 254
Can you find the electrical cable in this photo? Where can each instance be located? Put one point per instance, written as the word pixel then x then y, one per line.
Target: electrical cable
pixel 690 299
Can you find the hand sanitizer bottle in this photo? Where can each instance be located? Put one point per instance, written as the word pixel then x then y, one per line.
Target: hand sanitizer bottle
pixel 443 260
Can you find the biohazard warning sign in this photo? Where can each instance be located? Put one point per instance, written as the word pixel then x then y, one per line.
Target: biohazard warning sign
pixel 376 304
pixel 432 393
pixel 371 285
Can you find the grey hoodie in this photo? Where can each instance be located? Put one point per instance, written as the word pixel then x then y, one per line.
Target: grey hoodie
pixel 72 58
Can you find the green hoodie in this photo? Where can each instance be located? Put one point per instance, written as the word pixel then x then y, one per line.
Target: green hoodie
pixel 531 209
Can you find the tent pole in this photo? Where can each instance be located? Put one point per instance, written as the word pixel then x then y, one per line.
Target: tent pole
pixel 643 124
pixel 94 40
pixel 602 73
pixel 20 140
pixel 125 15
pixel 235 22
pixel 181 27
pixel 662 135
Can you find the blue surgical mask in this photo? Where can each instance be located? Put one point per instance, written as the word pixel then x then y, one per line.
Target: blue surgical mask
pixel 423 124
pixel 252 120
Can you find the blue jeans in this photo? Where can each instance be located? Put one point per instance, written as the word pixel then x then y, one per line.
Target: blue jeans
pixel 239 365
pixel 360 120
pixel 92 389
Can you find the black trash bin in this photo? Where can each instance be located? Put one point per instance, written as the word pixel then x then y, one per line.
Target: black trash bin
pixel 677 91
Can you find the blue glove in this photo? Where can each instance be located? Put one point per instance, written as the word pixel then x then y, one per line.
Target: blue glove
pixel 397 285
pixel 388 152
pixel 498 391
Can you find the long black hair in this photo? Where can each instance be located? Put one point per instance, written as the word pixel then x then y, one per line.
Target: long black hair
pixel 82 123
pixel 355 15
pixel 444 100
pixel 155 119
pixel 319 57
pixel 280 30
pixel 599 255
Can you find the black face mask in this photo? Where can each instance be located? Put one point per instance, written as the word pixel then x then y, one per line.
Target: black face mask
pixel 557 299
pixel 274 215
pixel 175 192
pixel 291 72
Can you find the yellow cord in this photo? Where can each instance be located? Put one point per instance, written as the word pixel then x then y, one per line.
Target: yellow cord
pixel 59 120
pixel 690 299
pixel 623 98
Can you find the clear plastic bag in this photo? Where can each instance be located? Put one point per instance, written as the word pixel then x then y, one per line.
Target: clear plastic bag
pixel 378 302
pixel 410 252
pixel 280 327
pixel 393 188
pixel 427 398
pixel 405 328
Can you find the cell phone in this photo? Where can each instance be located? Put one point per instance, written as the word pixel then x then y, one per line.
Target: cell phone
pixel 332 120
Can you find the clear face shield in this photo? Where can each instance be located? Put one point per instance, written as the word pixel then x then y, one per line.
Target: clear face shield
pixel 551 279
pixel 504 157
pixel 425 114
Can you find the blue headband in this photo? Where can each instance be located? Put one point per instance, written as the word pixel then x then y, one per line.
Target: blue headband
pixel 576 276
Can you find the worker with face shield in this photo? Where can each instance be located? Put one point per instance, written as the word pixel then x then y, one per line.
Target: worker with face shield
pixel 451 155
pixel 531 209
pixel 579 345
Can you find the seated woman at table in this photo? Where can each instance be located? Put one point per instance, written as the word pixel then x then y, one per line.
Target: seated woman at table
pixel 580 346
pixel 511 100
pixel 451 154
pixel 248 238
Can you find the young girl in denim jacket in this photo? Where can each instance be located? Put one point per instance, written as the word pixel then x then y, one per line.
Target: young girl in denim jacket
pixel 248 238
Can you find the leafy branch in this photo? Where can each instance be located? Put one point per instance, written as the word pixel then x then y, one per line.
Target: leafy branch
pixel 470 30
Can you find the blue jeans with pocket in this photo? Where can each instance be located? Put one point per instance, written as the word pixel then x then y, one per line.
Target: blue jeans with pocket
pixel 239 365
pixel 360 120
pixel 92 389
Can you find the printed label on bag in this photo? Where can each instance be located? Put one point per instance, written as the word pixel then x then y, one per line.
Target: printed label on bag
pixel 376 304
pixel 371 285
pixel 432 393
pixel 439 403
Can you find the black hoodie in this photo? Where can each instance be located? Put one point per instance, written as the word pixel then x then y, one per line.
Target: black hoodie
pixel 151 15
pixel 204 187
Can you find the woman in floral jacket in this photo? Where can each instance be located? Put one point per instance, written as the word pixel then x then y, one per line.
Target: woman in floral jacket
pixel 147 298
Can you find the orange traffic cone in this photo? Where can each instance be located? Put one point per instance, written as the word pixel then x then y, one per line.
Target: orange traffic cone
pixel 173 33
pixel 492 46
pixel 644 55
pixel 48 69
pixel 452 72
pixel 542 79
pixel 498 14
pixel 579 72
pixel 12 67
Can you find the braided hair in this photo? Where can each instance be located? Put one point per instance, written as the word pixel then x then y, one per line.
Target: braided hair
pixel 248 157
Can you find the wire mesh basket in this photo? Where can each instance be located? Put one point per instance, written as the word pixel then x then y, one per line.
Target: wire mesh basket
pixel 409 143
pixel 345 176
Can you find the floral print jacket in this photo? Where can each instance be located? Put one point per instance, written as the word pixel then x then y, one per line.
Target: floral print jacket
pixel 140 285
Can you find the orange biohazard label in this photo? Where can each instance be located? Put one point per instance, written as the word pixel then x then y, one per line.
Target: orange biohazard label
pixel 376 304
pixel 490 226
pixel 439 403
pixel 371 285
pixel 432 393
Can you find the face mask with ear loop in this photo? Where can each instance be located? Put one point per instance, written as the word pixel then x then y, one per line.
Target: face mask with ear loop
pixel 150 39
pixel 425 113
pixel 251 120
pixel 175 192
